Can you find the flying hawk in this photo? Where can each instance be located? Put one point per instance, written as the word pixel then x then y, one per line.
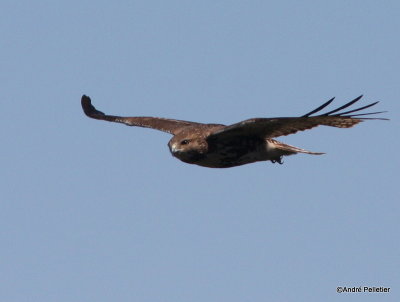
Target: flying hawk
pixel 249 141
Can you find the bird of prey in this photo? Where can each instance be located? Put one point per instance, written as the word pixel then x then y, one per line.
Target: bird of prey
pixel 249 141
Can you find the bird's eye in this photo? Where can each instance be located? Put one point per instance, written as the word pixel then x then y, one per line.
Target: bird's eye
pixel 185 142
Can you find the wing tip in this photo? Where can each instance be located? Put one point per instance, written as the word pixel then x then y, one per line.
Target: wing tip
pixel 86 103
pixel 319 108
pixel 347 113
pixel 88 108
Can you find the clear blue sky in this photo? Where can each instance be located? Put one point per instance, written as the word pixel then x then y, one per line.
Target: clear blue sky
pixel 94 211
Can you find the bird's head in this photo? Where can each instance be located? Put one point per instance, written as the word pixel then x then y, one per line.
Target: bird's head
pixel 189 147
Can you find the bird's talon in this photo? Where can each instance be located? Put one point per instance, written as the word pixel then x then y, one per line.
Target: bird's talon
pixel 278 160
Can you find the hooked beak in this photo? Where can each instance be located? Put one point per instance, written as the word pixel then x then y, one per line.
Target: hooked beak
pixel 173 148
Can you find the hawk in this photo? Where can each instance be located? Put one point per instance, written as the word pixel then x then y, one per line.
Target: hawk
pixel 249 141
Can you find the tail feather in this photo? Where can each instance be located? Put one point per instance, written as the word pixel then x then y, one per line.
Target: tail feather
pixel 289 150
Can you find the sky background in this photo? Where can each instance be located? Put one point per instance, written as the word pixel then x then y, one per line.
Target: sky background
pixel 95 211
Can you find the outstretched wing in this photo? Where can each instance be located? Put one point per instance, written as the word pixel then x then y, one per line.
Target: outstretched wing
pixel 162 124
pixel 274 127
